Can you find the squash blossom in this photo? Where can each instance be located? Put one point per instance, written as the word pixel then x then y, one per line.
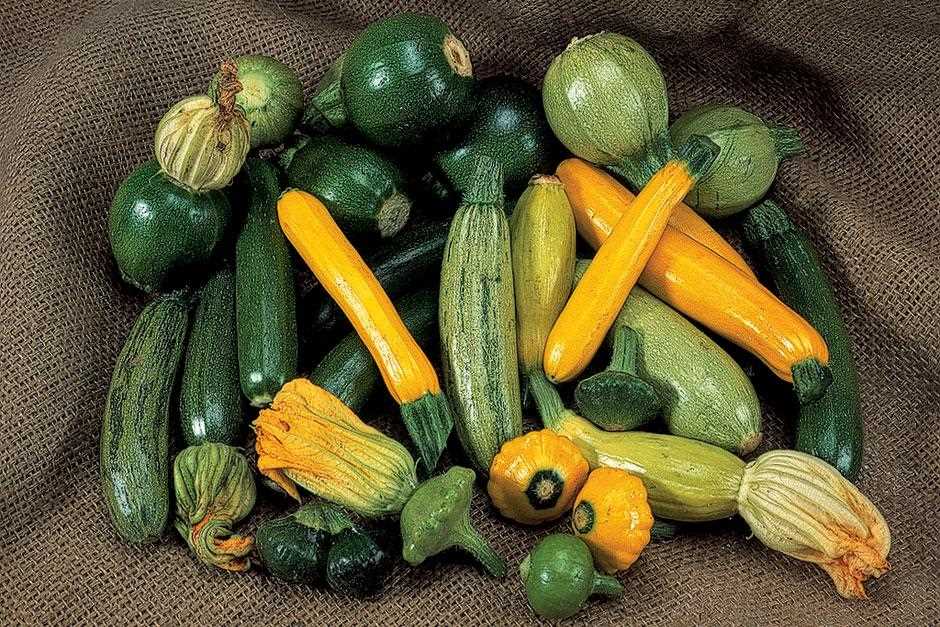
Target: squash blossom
pixel 214 490
pixel 310 438
pixel 801 506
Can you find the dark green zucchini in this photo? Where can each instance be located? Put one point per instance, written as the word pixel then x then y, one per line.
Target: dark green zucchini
pixel 210 398
pixel 405 79
pixel 265 294
pixel 364 191
pixel 831 427
pixel 348 370
pixel 401 264
pixel 508 125
pixel 134 446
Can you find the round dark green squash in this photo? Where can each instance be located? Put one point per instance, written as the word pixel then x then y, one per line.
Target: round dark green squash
pixel 357 564
pixel 406 78
pixel 293 552
pixel 161 232
pixel 363 191
pixel 508 125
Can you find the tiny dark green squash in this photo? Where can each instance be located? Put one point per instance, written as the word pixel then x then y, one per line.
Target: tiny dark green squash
pixel 162 232
pixel 291 551
pixel 357 564
pixel 363 191
pixel 745 168
pixel 508 125
pixel 406 78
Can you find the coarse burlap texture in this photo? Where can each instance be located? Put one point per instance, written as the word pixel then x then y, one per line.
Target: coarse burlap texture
pixel 83 85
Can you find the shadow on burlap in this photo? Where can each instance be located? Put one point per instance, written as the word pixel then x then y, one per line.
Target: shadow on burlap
pixel 82 88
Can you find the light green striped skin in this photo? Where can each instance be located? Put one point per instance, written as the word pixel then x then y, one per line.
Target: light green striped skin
pixel 605 98
pixel 134 446
pixel 477 317
pixel 197 148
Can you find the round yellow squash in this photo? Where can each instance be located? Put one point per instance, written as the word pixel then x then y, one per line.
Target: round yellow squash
pixel 535 477
pixel 612 515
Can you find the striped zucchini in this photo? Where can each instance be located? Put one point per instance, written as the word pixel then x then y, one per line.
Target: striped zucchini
pixel 478 320
pixel 134 447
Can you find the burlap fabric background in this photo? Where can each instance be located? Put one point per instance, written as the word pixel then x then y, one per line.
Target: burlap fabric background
pixel 83 85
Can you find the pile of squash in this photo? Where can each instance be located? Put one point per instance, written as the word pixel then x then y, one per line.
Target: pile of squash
pixel 439 217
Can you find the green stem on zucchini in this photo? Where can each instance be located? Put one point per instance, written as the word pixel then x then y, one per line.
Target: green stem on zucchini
pixel 663 530
pixel 787 142
pixel 486 184
pixel 617 399
pixel 810 380
pixel 429 423
pixel 547 400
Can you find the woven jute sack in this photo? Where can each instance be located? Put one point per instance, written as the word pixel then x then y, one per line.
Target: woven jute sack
pixel 82 85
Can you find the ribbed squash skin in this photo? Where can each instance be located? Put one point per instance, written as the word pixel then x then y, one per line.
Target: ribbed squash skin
pixel 348 370
pixel 210 397
pixel 364 191
pixel 134 446
pixel 830 428
pixel 599 201
pixel 161 232
pixel 265 294
pixel 706 394
pixel 478 327
pixel 404 78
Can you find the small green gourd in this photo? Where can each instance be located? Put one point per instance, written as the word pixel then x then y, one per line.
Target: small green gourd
pixel 751 150
pixel 618 399
pixel 215 489
pixel 559 577
pixel 271 97
pixel 437 517
pixel 357 565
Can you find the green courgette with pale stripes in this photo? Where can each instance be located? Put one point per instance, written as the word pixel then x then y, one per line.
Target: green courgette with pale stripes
pixel 477 317
pixel 265 294
pixel 830 427
pixel 134 446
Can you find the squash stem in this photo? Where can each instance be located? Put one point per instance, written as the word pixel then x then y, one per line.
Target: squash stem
pixel 327 111
pixel 486 183
pixel 547 400
pixel 429 423
pixel 623 356
pixel 698 154
pixel 471 541
pixel 639 169
pixel 606 585
pixel 810 380
pixel 663 530
pixel 228 89
pixel 766 221
pixel 787 142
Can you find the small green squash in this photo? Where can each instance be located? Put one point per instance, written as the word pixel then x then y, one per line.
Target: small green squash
pixel 750 153
pixel 357 565
pixel 559 576
pixel 363 191
pixel 507 125
pixel 135 437
pixel 210 398
pixel 605 98
pixel 161 232
pixel 406 78
pixel 271 97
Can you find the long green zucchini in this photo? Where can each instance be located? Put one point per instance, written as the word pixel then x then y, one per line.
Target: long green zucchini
pixel 399 265
pixel 831 427
pixel 478 321
pixel 265 296
pixel 210 398
pixel 348 370
pixel 134 447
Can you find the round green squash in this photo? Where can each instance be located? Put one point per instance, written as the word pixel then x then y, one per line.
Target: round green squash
pixel 363 191
pixel 293 552
pixel 272 97
pixel 508 125
pixel 161 231
pixel 605 98
pixel 406 78
pixel 747 165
